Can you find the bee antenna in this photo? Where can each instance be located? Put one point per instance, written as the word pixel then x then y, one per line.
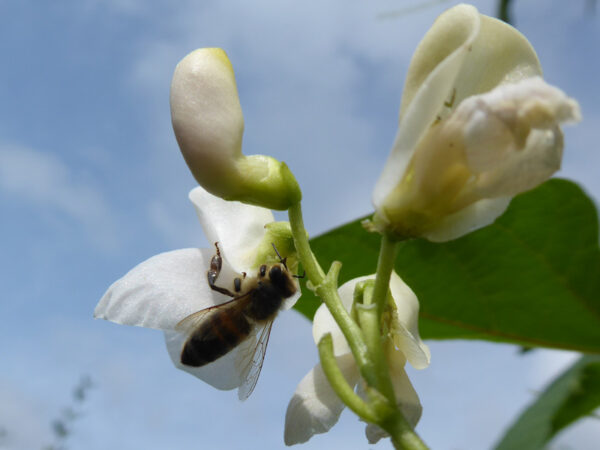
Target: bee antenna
pixel 281 260
pixel 300 276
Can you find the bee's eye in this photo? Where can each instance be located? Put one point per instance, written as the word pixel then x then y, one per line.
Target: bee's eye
pixel 263 270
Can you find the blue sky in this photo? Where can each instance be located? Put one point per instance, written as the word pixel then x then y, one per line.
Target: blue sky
pixel 92 183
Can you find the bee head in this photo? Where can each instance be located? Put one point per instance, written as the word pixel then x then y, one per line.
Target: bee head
pixel 282 280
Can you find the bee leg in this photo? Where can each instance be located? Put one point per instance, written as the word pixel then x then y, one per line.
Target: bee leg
pixel 216 263
pixel 300 276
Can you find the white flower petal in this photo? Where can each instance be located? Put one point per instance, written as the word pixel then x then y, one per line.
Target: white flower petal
pixel 225 373
pixel 473 217
pixel 432 74
pixel 506 115
pixel 237 227
pixel 500 54
pixel 512 136
pixel 406 397
pixel 161 291
pixel 288 303
pixel 405 324
pixel 470 54
pixel 324 323
pixel 374 433
pixel 315 407
pixel 207 118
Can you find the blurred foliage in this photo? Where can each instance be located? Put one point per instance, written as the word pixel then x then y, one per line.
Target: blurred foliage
pixel 573 395
pixel 504 11
pixel 63 425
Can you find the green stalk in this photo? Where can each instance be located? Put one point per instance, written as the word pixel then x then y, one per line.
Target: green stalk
pixel 326 288
pixel 339 384
pixel 370 324
pixel 364 341
pixel 403 436
pixel 385 265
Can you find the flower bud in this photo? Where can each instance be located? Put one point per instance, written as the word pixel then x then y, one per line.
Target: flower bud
pixel 208 123
pixel 478 125
pixel 278 236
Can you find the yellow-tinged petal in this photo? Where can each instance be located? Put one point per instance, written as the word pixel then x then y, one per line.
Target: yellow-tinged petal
pixel 473 132
pixel 431 76
pixel 208 123
pixel 207 117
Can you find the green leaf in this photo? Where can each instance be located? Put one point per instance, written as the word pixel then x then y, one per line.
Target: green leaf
pixel 531 278
pixel 575 394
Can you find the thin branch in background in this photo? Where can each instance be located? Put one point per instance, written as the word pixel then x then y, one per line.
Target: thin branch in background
pixel 3 435
pixel 62 427
pixel 504 11
pixel 590 6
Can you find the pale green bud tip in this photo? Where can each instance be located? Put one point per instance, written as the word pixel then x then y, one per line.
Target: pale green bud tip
pixel 266 182
pixel 278 235
pixel 208 124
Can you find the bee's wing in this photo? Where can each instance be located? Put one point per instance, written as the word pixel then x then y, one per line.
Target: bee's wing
pixel 193 321
pixel 253 360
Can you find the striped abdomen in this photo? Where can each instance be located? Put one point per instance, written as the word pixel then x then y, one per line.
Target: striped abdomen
pixel 218 335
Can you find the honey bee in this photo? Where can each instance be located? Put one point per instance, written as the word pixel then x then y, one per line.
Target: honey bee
pixel 215 331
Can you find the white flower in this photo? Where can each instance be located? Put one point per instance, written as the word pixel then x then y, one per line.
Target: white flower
pixel 478 125
pixel 208 123
pixel 315 407
pixel 168 287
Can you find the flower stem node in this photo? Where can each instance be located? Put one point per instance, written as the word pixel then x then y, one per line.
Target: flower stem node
pixel 322 394
pixel 208 123
pixel 478 125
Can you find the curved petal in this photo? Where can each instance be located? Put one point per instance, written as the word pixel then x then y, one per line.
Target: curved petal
pixel 225 373
pixel 506 115
pixel 315 407
pixel 405 328
pixel 288 303
pixel 324 323
pixel 432 74
pixel 405 324
pixel 473 217
pixel 406 396
pixel 237 227
pixel 500 54
pixel 207 118
pixel 522 121
pixel 161 291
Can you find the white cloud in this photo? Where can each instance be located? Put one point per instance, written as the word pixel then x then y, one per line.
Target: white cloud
pixel 42 180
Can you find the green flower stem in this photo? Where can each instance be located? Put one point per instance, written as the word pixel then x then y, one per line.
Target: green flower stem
pixel 339 384
pixel 385 265
pixel 309 262
pixel 403 436
pixel 367 348
pixel 370 324
pixel 326 288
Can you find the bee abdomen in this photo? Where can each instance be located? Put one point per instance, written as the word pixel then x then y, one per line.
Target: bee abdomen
pixel 215 338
